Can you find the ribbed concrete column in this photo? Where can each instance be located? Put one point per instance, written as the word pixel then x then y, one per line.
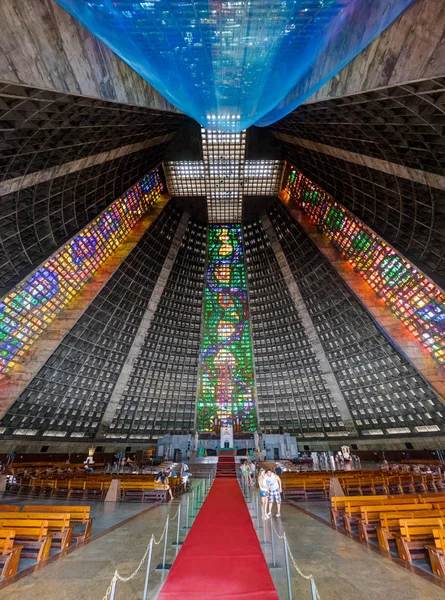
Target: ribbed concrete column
pixel 139 338
pixel 309 326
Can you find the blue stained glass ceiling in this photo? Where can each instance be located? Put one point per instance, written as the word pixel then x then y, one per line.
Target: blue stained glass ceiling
pixel 239 62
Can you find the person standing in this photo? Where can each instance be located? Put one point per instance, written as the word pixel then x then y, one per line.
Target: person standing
pixel 252 471
pixel 264 493
pixel 275 489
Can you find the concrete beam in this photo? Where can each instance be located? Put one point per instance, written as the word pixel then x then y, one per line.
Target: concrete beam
pixel 309 326
pixel 139 338
pixel 423 177
pixel 19 183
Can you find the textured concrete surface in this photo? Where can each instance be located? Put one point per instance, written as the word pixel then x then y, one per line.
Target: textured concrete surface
pixel 19 183
pixel 44 46
pixel 413 47
pixel 394 328
pixel 431 179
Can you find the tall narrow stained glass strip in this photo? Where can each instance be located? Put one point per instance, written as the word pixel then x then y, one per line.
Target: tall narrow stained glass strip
pixel 415 299
pixel 227 393
pixel 35 302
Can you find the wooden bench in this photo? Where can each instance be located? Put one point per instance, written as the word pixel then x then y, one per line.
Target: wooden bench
pixel 5 508
pixel 390 524
pixel 59 525
pixel 415 534
pixel 338 504
pixel 77 514
pixel 32 535
pixel 370 516
pixel 9 553
pixel 353 509
pixel 437 553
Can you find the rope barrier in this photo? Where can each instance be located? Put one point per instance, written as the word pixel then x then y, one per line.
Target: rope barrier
pixel 109 594
pixel 309 577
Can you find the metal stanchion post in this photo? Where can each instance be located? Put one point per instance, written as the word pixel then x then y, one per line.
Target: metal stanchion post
pixel 147 574
pixel 178 543
pixel 187 513
pixel 286 555
pixel 274 564
pixel 264 533
pixel 257 514
pixel 113 589
pixel 193 501
pixel 313 589
pixel 164 566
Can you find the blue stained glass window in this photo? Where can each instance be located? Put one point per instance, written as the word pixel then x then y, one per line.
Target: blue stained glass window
pixel 256 60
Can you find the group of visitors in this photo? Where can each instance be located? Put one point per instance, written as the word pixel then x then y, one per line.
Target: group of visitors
pixel 271 488
pixel 248 472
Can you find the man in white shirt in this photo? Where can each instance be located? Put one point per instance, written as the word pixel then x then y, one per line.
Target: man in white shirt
pixel 273 482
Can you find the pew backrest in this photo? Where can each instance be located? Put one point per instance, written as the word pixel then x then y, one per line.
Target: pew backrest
pixel 78 514
pixel 26 528
pixel 414 528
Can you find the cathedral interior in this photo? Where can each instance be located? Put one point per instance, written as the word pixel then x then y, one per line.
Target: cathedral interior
pixel 224 215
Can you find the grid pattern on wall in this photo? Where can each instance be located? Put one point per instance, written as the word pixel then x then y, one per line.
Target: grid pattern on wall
pixel 227 393
pixel 35 221
pixel 160 395
pixel 292 393
pixel 385 394
pixel 401 124
pixel 407 214
pixel 414 299
pixel 45 128
pixel 70 393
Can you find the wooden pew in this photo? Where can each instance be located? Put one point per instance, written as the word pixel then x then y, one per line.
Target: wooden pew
pixel 353 508
pixel 59 525
pixel 437 553
pixel 32 535
pixel 390 524
pixel 77 514
pixel 338 504
pixel 415 534
pixel 9 553
pixel 370 516
pixel 5 508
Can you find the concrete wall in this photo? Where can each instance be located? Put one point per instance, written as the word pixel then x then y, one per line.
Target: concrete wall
pixel 413 47
pixel 45 47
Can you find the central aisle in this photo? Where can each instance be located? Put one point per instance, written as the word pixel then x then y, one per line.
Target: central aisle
pixel 221 556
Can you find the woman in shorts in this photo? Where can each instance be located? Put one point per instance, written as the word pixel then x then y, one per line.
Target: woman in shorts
pixel 264 493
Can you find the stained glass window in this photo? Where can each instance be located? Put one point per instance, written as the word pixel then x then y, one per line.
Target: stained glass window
pixel 415 299
pixel 34 303
pixel 227 384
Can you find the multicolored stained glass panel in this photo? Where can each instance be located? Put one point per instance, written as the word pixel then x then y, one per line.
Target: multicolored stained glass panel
pixel 34 303
pixel 415 299
pixel 227 393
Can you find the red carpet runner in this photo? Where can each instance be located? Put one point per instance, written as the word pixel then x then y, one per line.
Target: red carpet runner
pixel 226 467
pixel 221 556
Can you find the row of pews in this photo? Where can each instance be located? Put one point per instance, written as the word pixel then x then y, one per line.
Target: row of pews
pixel 316 484
pixel 95 487
pixel 413 524
pixel 33 531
